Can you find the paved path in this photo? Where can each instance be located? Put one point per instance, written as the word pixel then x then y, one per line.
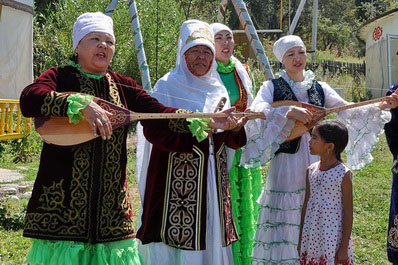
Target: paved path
pixel 8 175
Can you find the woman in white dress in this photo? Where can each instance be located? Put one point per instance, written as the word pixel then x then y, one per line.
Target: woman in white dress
pixel 186 215
pixel 282 197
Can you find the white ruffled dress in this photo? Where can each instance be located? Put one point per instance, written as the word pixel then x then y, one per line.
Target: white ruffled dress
pixel 283 195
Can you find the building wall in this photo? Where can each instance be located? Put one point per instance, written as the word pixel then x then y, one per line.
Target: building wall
pixel 377 63
pixel 376 69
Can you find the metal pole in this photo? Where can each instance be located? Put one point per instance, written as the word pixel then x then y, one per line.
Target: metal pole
pixel 111 7
pixel 221 11
pixel 281 16
pixel 251 34
pixel 314 30
pixel 139 46
pixel 296 17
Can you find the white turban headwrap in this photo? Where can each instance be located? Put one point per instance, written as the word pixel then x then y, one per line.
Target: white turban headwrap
pixel 217 27
pixel 91 22
pixel 285 43
pixel 192 33
pixel 180 88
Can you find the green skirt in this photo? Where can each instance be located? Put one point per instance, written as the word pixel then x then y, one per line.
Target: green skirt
pixel 246 186
pixel 47 252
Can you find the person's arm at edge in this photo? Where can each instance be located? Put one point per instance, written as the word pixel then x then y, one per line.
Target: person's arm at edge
pixel 303 210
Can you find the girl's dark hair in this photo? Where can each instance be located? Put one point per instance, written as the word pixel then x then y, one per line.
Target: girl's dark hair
pixel 333 131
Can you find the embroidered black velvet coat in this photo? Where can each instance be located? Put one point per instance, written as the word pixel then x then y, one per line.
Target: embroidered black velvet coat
pixel 81 191
pixel 175 207
pixel 391 131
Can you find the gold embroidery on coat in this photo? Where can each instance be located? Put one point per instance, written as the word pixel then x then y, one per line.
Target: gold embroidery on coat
pixel 72 221
pixel 182 205
pixel 113 90
pixel 179 125
pixel 228 229
pixel 52 198
pixel 111 225
pixel 54 104
pixel 393 234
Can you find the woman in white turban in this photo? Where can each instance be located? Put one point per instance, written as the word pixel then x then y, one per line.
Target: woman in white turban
pixel 186 215
pixel 246 184
pixel 282 198
pixel 80 212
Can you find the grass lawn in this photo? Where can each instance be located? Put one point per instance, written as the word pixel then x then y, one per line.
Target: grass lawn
pixel 372 186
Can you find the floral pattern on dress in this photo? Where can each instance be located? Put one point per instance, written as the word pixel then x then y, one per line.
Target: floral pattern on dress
pixel 322 260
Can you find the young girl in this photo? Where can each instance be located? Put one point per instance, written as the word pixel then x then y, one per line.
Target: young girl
pixel 326 216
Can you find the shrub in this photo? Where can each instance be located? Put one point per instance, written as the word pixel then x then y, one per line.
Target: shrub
pixel 23 150
pixel 12 213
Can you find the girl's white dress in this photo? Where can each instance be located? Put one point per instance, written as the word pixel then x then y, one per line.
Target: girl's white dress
pixel 281 200
pixel 323 224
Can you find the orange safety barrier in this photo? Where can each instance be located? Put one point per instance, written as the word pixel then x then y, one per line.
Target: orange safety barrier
pixel 12 123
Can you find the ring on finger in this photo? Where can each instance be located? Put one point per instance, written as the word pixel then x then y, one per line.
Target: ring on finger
pixel 104 121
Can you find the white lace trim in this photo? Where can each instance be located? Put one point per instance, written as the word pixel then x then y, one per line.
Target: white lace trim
pixel 275 253
pixel 297 87
pixel 282 200
pixel 364 125
pixel 265 136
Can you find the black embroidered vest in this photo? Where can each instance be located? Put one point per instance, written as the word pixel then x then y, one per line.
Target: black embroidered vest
pixel 282 91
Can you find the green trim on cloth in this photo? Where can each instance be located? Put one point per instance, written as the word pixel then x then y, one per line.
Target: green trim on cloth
pixel 227 76
pixel 47 252
pixel 77 102
pixel 246 186
pixel 198 127
pixel 78 67
pixel 225 69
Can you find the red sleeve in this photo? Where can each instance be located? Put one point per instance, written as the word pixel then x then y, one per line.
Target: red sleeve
pixel 169 141
pixel 232 139
pixel 42 98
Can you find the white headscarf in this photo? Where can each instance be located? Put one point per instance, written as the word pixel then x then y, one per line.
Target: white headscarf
pixel 181 89
pixel 217 27
pixel 91 22
pixel 285 43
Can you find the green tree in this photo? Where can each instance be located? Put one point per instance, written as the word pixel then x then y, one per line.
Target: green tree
pixel 368 9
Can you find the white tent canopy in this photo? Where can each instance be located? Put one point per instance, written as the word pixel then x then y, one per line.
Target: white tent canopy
pixel 16 47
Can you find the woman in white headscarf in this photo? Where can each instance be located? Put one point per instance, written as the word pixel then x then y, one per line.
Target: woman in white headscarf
pixel 246 184
pixel 277 235
pixel 186 215
pixel 79 212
